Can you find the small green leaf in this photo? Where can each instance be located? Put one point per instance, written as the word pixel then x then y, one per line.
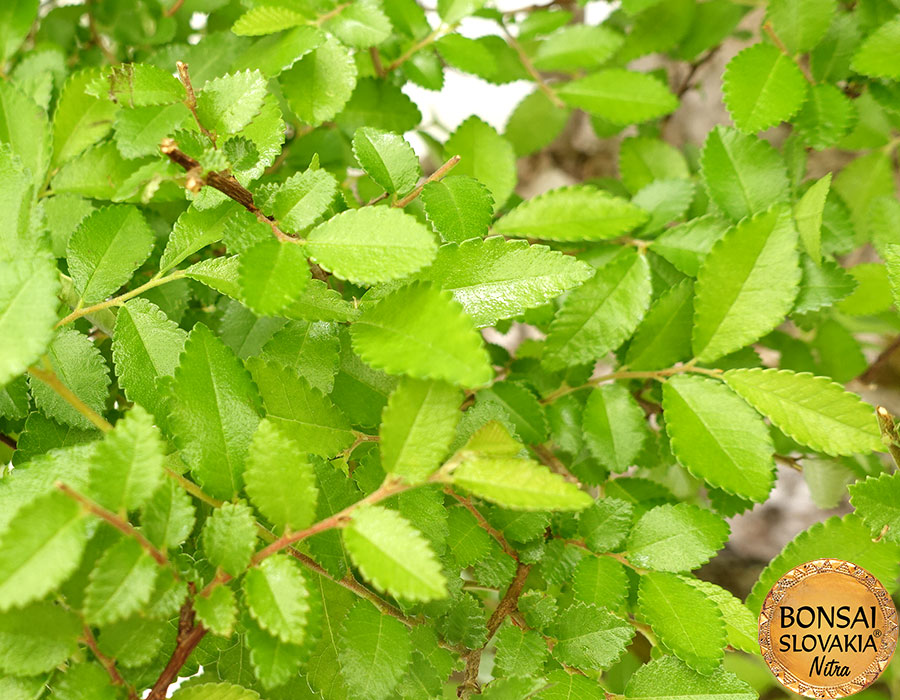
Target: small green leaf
pixel 272 275
pixel 743 174
pixel 361 24
pixel 136 85
pixel 417 426
pixel 520 653
pixel 598 316
pixel 274 662
pixel 877 55
pixel 16 19
pixel 620 96
pixel 741 628
pixel 304 198
pixel 669 677
pixel 194 230
pixel 24 126
pixel 213 434
pixel 520 484
pixel 121 582
pixel 229 537
pixel 664 336
pixel 686 621
pixel 128 464
pixel 643 160
pixel 268 19
pixel 37 638
pixel 279 479
pixel 578 213
pixel 718 437
pixel 168 517
pixel 106 249
pixel 374 651
pixel 484 155
pixel 80 119
pixel 614 426
pixel 421 331
pixel 747 284
pixel 800 24
pixel 676 538
pixel 370 245
pixel 319 84
pixel 393 555
pixel 606 524
pixel 808 213
pixel 217 611
pixel 600 581
pixel 590 638
pixel 877 502
pixel 826 117
pixel 577 46
pixel 387 158
pixel 458 207
pixel 814 411
pixel 276 594
pixel 535 108
pixel 762 87
pixel 227 104
pixel 215 691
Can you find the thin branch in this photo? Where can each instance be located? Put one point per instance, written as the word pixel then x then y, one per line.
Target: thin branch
pixel 116 521
pixel 485 525
pixel 186 644
pixel 889 434
pixel 694 67
pixel 50 379
pixel 191 100
pixel 119 300
pixel 332 13
pixel 193 488
pixel 174 8
pixel 768 29
pixel 548 459
pixel 434 177
pixel 376 62
pixel 788 461
pixel 415 48
pixel 108 663
pixel 508 605
pixel 110 57
pixel 8 441
pixel 659 374
pixel 532 71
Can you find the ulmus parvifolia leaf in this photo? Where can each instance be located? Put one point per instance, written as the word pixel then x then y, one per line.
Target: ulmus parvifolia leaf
pixel 120 583
pixel 37 638
pixel 228 103
pixel 814 411
pixel 484 155
pixel 877 502
pixel 373 244
pixel 669 677
pixel 590 638
pixel 276 594
pixel 304 198
pixel 393 555
pixel 718 437
pixel 421 331
pixel 320 83
pixel 272 275
pixel 620 96
pixel 874 56
pixel 387 158
pixel 615 427
pixel 229 537
pixel 676 538
pixel 458 207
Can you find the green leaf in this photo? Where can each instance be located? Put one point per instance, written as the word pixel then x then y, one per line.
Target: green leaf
pixel 304 198
pixel 578 213
pixel 146 345
pixel 535 108
pixel 747 284
pixel 16 18
pixel 229 537
pixel 590 638
pixel 664 336
pixel 195 229
pixel 876 57
pixel 605 524
pixel 743 174
pixel 138 131
pixel 686 621
pixel 718 437
pixel 106 249
pixel 276 594
pixel 643 160
pixel 215 691
pixel 668 677
pixel 37 638
pixel 520 404
pixel 17 197
pixel 136 85
pixel 598 316
pixel 372 244
pixel 268 19
pixel 600 581
pixel 814 411
pixel 762 87
pixel 24 126
pixel 520 653
pixel 800 24
pixel 374 651
pixel 877 502
pixel 121 582
pixel 361 24
pixel 39 549
pixel 615 428
pixel 577 46
pixel 220 274
pixel 168 517
pixel 496 279
pixel 421 331
pixel 486 156
pixel 128 465
pixel 676 538
pixel 300 411
pixel 272 275
pixel 28 288
pixel 318 86
pixel 620 96
pixel 741 629
pixel 276 53
pixel 387 158
pixel 417 426
pixel 837 538
pixel 80 119
pixel 808 213
pixel 826 117
pixel 78 364
pixel 217 611
pixel 393 555
pixel 519 484
pixel 458 207
pixel 280 480
pixel 274 661
pixel 227 104
pixel 214 411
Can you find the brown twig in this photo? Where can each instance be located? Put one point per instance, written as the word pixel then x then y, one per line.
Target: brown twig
pixel 508 605
pixel 174 8
pixel 415 48
pixel 117 522
pixel 50 379
pixel 434 177
pixel 186 644
pixel 532 71
pixel 889 435
pixel 376 62
pixel 332 13
pixel 483 523
pixel 191 99
pixel 121 299
pixel 108 663
pixel 8 441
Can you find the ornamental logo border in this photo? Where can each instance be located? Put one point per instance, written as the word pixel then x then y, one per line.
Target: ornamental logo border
pixel 888 639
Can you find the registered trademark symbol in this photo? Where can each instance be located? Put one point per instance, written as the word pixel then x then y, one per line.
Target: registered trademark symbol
pixel 877 633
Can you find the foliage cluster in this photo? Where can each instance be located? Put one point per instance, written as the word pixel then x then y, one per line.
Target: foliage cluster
pixel 253 426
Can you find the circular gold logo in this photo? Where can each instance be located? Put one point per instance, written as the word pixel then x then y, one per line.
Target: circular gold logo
pixel 827 629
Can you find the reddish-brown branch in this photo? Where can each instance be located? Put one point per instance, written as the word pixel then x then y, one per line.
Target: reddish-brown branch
pixel 174 8
pixel 485 525
pixel 8 441
pixel 120 524
pixel 187 642
pixel 191 101
pixel 436 175
pixel 507 606
pixel 108 663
